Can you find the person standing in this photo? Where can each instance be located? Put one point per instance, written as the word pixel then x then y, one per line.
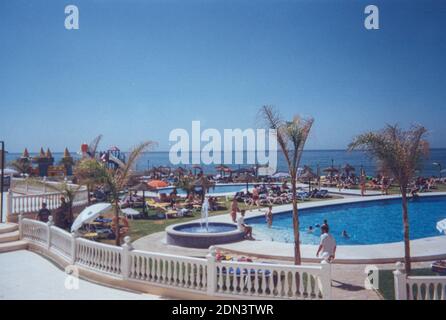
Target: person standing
pixel 362 184
pixel 255 196
pixel 60 217
pixel 269 216
pixel 327 244
pixel 234 210
pixel 43 213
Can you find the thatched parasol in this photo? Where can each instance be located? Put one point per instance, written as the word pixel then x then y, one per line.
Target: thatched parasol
pixel 142 187
pixel 308 175
pixel 347 168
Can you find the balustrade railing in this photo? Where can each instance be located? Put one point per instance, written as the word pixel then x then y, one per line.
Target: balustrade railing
pixel 418 287
pixel 202 275
pixel 32 203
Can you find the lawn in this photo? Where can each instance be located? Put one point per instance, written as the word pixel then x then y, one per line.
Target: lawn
pixel 386 283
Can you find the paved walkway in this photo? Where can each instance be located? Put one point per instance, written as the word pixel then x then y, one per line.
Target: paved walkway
pixel 28 276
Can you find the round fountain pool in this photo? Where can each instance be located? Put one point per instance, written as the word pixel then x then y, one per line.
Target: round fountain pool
pixel 193 235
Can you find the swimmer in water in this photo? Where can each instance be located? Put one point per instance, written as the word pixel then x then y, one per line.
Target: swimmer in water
pixel 310 229
pixel 345 234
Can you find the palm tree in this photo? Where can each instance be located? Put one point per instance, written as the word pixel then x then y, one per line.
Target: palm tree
pixel 205 185
pixel 93 146
pixel 90 172
pixel 400 153
pixel 114 180
pixel 187 184
pixel 22 166
pixel 291 137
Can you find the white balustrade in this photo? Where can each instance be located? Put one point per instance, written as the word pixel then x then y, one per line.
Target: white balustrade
pixel 34 231
pixel 418 287
pixel 33 202
pixel 426 288
pixel 60 242
pixel 168 270
pixel 270 281
pixel 98 256
pixel 208 276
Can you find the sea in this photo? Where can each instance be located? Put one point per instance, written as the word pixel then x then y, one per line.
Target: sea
pixel 311 158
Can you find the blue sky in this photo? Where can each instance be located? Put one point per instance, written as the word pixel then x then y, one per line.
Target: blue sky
pixel 135 70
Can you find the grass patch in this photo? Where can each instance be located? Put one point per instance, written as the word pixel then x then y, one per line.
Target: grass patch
pixel 386 283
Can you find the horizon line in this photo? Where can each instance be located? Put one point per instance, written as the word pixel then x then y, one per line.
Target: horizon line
pixel 262 150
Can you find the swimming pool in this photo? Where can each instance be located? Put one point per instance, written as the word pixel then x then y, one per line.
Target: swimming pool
pixel 370 222
pixel 218 189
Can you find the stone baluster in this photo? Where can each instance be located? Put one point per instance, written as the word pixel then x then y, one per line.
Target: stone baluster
pixel 74 237
pixel 325 279
pixel 8 205
pixel 21 225
pixel 399 276
pixel 49 224
pixel 126 259
pixel 211 271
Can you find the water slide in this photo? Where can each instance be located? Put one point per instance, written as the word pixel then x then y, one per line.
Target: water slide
pixel 113 159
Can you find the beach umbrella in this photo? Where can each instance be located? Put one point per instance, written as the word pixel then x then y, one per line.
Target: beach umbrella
pixel 179 171
pixel 220 168
pixel 331 171
pixel 228 170
pixel 9 171
pixel 130 212
pixel 89 214
pixel 142 187
pixel 348 168
pixel 441 226
pixel 157 184
pixel 197 167
pixel 247 178
pixel 308 175
pixel 279 175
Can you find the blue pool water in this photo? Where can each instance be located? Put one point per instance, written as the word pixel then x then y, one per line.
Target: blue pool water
pixel 366 223
pixel 212 228
pixel 233 188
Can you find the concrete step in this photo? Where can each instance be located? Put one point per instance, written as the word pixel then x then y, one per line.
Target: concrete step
pixel 9 236
pixel 8 227
pixel 13 246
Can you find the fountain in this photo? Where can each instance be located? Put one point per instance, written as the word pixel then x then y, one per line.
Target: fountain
pixel 203 234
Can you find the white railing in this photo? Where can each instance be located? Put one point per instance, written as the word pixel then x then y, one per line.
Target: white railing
pixel 202 275
pixel 418 287
pixel 168 270
pixel 98 256
pixel 34 231
pixel 272 280
pixel 60 242
pixel 32 203
pixel 25 186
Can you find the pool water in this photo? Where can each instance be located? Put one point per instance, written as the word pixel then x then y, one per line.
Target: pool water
pixel 369 222
pixel 212 228
pixel 232 188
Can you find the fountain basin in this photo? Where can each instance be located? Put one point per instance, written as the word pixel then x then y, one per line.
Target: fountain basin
pixel 192 235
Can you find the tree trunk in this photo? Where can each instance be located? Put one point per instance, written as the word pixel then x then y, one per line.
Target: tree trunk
pixel 117 235
pixel 297 258
pixel 406 229
pixel 70 217
pixel 88 194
